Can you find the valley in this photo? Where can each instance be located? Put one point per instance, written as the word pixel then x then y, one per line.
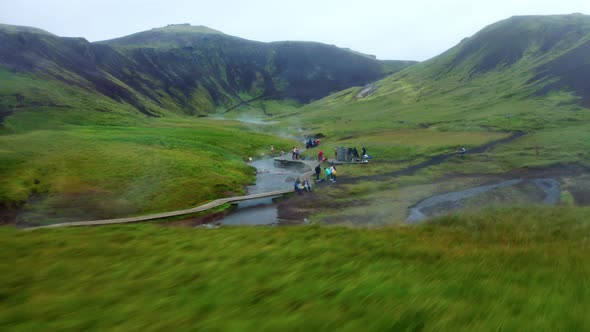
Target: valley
pixel 471 214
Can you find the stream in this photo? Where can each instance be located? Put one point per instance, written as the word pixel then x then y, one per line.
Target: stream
pixel 270 176
pixel 448 202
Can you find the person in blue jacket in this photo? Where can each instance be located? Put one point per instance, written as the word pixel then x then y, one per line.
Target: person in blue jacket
pixel 298 187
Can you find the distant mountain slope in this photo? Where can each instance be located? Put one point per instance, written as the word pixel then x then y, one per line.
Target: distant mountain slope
pixel 518 58
pixel 181 68
pixel 6 28
pixel 553 51
pixel 526 73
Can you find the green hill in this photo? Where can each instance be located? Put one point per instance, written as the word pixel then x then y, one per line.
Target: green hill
pixel 522 77
pixel 16 29
pixel 524 73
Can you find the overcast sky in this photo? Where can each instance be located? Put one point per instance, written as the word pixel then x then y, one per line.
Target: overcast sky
pixel 409 29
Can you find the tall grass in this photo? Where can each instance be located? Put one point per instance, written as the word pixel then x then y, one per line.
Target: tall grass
pixel 523 269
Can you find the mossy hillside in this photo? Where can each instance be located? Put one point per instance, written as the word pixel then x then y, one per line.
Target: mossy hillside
pixel 43 103
pixel 7 28
pixel 453 100
pixel 97 171
pixel 502 269
pixel 464 91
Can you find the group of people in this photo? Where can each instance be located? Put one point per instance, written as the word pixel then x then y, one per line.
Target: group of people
pixel 330 173
pixel 301 185
pixel 352 154
pixel 312 143
pixel 355 153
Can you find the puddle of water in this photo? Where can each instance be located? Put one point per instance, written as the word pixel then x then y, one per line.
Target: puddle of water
pixel 550 187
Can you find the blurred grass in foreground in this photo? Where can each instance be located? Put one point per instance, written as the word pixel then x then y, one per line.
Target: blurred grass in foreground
pixel 518 269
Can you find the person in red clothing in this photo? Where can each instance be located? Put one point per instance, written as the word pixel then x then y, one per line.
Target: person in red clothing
pixel 320 155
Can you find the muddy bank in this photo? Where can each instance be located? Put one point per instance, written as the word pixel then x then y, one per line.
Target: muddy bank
pixel 524 186
pixel 298 208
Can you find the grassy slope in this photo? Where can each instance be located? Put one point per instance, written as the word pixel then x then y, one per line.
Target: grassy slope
pixel 100 171
pixel 446 95
pixel 68 161
pixel 524 270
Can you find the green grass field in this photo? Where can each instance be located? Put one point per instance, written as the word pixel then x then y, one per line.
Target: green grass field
pixel 69 172
pixel 503 270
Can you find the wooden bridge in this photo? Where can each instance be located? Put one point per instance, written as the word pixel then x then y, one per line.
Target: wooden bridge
pixel 201 208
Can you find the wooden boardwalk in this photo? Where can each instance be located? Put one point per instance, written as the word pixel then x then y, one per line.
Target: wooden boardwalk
pixel 200 208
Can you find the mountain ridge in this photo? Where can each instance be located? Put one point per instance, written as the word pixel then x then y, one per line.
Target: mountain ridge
pixel 191 70
pixel 549 50
pixel 523 73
